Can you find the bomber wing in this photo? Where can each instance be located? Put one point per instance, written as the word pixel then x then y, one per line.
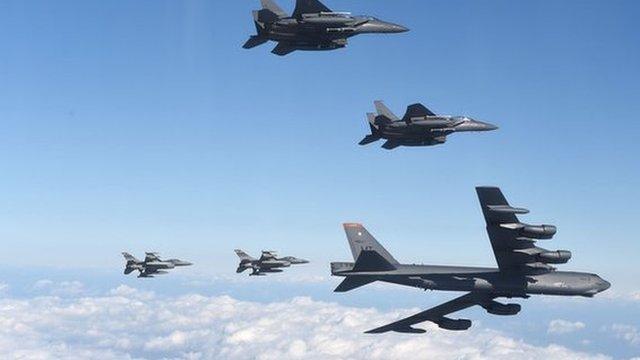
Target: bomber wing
pixel 309 7
pixel 513 242
pixel 438 315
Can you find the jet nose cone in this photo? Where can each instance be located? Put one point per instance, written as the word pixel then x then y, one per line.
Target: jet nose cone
pixel 394 28
pixel 398 28
pixel 483 126
pixel 604 285
pixel 377 26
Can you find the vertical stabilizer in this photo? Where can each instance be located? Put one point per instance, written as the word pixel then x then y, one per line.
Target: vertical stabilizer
pixel 383 110
pixel 361 240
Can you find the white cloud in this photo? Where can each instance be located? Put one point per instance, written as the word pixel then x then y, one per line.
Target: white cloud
pixel 130 324
pixel 559 326
pixel 628 333
pixel 62 288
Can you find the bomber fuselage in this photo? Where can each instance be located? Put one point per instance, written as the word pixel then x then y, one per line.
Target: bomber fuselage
pixel 459 278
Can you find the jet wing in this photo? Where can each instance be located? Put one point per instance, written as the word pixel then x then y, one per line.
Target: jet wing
pixel 309 7
pixel 437 315
pixel 267 255
pixel 283 49
pixel 149 257
pixel 514 250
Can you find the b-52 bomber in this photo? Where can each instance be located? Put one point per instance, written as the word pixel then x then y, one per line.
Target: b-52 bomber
pixel 312 26
pixel 418 127
pixel 523 269
pixel 151 265
pixel 269 262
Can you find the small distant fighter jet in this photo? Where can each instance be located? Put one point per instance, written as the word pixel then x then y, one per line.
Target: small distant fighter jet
pixel 523 269
pixel 312 26
pixel 269 262
pixel 151 265
pixel 418 127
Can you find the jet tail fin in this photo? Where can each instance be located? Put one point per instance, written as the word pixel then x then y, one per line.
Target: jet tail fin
pixel 243 255
pixel 383 110
pixel 273 8
pixel 360 240
pixel 129 257
pixel 353 282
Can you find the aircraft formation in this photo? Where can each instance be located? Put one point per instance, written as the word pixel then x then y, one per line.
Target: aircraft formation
pixel 523 268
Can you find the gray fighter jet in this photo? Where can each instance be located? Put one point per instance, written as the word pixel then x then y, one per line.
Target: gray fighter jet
pixel 312 26
pixel 418 127
pixel 151 265
pixel 269 262
pixel 523 269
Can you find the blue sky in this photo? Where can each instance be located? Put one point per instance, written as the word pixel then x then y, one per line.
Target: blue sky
pixel 137 125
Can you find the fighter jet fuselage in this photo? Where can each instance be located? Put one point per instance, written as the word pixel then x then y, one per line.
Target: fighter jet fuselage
pixel 312 26
pixel 151 265
pixel 418 127
pixel 268 262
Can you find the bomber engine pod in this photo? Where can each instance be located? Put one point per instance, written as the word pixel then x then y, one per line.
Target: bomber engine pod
pixel 555 257
pixel 538 231
pixel 454 324
pixel 497 308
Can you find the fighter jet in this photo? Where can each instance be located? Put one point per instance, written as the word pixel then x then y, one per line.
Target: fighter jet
pixel 418 127
pixel 523 269
pixel 151 265
pixel 269 262
pixel 312 26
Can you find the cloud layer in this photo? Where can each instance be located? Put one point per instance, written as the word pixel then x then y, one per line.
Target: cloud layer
pixel 559 326
pixel 130 324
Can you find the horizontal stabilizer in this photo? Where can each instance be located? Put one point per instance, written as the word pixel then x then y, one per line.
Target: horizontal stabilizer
pixel 390 145
pixel 283 49
pixel 353 282
pixel 254 41
pixel 369 139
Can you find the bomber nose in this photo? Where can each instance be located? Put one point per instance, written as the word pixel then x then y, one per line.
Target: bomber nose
pixel 604 285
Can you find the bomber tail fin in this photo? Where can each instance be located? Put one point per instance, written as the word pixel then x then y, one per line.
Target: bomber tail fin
pixel 361 241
